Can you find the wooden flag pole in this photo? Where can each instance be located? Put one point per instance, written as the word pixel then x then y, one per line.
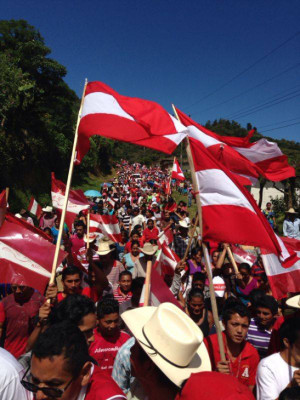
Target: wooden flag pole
pixel 7 194
pixel 148 283
pixel 171 179
pixel 88 229
pixel 206 257
pixel 67 191
pixel 191 239
pixel 230 255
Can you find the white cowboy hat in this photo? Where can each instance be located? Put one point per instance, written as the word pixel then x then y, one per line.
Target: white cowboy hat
pixel 92 236
pixel 47 209
pixel 184 224
pixel 148 249
pixel 291 211
pixel 104 248
pixel 294 301
pixel 170 338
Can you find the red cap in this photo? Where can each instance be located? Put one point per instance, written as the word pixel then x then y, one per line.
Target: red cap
pixel 214 385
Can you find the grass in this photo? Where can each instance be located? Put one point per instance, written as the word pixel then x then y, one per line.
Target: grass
pixel 183 197
pixel 94 182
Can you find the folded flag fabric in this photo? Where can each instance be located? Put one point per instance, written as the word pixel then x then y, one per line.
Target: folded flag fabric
pixel 108 225
pixel 247 160
pixel 25 257
pixel 229 212
pixel 77 201
pixel 3 206
pixel 34 208
pixel 177 171
pixel 242 256
pixel 283 273
pixel 107 113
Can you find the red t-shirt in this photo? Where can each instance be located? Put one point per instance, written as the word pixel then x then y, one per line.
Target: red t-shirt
pixel 103 387
pixel 150 234
pixel 245 365
pixel 88 291
pixel 19 321
pixel 104 350
pixel 77 243
pixel 128 245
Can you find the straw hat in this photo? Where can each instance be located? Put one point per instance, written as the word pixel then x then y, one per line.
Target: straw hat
pixel 184 224
pixel 291 211
pixel 48 209
pixel 148 249
pixel 170 338
pixel 294 301
pixel 92 236
pixel 104 248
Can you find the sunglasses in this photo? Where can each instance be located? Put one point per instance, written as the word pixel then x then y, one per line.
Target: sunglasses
pixel 55 393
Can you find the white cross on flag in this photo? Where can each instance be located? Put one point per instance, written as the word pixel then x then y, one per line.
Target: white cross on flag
pixel 177 171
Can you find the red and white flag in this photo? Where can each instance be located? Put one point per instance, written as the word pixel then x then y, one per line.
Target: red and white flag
pixel 77 201
pixel 159 291
pixel 107 113
pixel 167 261
pixel 284 273
pixel 246 160
pixel 108 225
pixel 242 256
pixel 177 171
pixel 34 208
pixel 21 221
pixel 229 212
pixel 25 257
pixel 166 236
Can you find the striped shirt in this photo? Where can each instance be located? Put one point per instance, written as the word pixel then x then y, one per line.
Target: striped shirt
pixel 259 337
pixel 119 297
pixel 126 219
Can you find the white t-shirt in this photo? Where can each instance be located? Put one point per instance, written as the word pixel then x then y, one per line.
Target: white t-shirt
pixel 273 376
pixel 137 220
pixel 11 372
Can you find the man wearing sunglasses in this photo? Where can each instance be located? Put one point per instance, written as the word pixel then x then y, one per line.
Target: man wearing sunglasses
pixel 61 368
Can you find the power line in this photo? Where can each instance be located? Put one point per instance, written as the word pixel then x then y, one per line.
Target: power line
pixel 245 70
pixel 254 87
pixel 279 122
pixel 266 102
pixel 280 127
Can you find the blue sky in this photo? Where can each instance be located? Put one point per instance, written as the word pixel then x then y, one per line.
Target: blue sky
pixel 182 53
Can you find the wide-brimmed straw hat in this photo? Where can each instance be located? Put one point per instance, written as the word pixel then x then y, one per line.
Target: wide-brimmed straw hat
pixel 148 249
pixel 291 211
pixel 183 224
pixel 104 248
pixel 90 238
pixel 294 301
pixel 170 338
pixel 47 209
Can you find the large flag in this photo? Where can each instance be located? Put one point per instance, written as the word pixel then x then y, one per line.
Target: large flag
pixel 21 221
pixel 229 212
pixel 107 113
pixel 34 208
pixel 177 171
pixel 247 160
pixel 108 225
pixel 283 274
pixel 77 201
pixel 25 257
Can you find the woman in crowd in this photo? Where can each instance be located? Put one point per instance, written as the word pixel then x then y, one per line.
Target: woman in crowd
pixel 132 258
pixel 195 309
pixel 195 262
pixel 120 246
pixel 245 283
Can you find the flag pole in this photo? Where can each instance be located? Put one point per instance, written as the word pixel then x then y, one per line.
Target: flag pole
pixel 206 257
pixel 148 283
pixel 191 238
pixel 67 191
pixel 88 229
pixel 230 255
pixel 7 193
pixel 171 178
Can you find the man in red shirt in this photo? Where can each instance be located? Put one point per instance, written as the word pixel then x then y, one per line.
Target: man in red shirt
pixel 151 232
pixel 108 336
pixel 62 368
pixel 77 240
pixel 123 291
pixel 17 311
pixel 71 280
pixel 241 357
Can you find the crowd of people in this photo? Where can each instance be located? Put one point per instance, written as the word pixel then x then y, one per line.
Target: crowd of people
pixel 88 337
